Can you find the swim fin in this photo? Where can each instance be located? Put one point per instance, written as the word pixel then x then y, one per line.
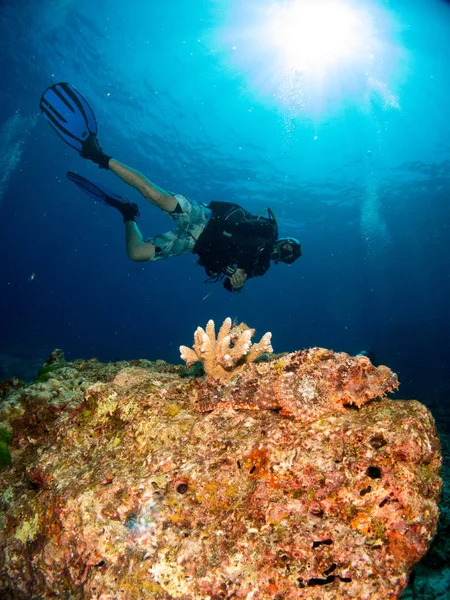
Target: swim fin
pixel 129 210
pixel 69 115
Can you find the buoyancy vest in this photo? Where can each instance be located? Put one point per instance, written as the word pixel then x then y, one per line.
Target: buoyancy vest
pixel 234 237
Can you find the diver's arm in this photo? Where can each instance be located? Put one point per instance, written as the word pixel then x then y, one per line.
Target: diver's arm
pixel 151 192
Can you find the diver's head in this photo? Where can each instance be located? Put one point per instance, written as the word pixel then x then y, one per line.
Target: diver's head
pixel 286 250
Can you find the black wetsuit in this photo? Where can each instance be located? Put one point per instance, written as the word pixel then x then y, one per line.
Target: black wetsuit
pixel 233 238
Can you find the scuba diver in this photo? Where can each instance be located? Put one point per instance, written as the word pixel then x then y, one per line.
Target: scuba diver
pixel 232 244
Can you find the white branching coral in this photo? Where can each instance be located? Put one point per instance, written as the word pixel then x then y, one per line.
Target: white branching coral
pixel 224 356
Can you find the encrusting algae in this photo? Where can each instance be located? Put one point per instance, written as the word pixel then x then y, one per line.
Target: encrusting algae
pixel 302 481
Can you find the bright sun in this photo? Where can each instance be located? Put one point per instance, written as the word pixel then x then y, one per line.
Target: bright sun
pixel 314 35
pixel 312 55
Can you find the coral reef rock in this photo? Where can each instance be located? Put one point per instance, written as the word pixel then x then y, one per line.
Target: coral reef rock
pixel 120 489
pixel 430 578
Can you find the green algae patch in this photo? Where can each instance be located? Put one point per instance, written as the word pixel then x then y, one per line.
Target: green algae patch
pixel 85 417
pixel 7 495
pixel 46 372
pixel 103 404
pixel 115 442
pixel 107 407
pixel 27 530
pixel 171 410
pixel 5 456
pixel 137 587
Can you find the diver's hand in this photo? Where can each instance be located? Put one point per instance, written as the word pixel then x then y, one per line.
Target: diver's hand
pixel 93 152
pixel 238 280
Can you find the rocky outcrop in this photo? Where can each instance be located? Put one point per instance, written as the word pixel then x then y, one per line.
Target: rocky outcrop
pixel 120 488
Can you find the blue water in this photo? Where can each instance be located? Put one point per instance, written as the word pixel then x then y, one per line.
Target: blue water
pixel 354 160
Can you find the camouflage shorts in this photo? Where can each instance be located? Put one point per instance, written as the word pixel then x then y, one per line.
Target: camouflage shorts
pixel 190 223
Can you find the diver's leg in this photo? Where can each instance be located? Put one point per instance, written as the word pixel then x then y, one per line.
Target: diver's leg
pixel 137 249
pixel 151 192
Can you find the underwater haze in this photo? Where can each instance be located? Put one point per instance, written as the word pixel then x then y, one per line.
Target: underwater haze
pixel 341 127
